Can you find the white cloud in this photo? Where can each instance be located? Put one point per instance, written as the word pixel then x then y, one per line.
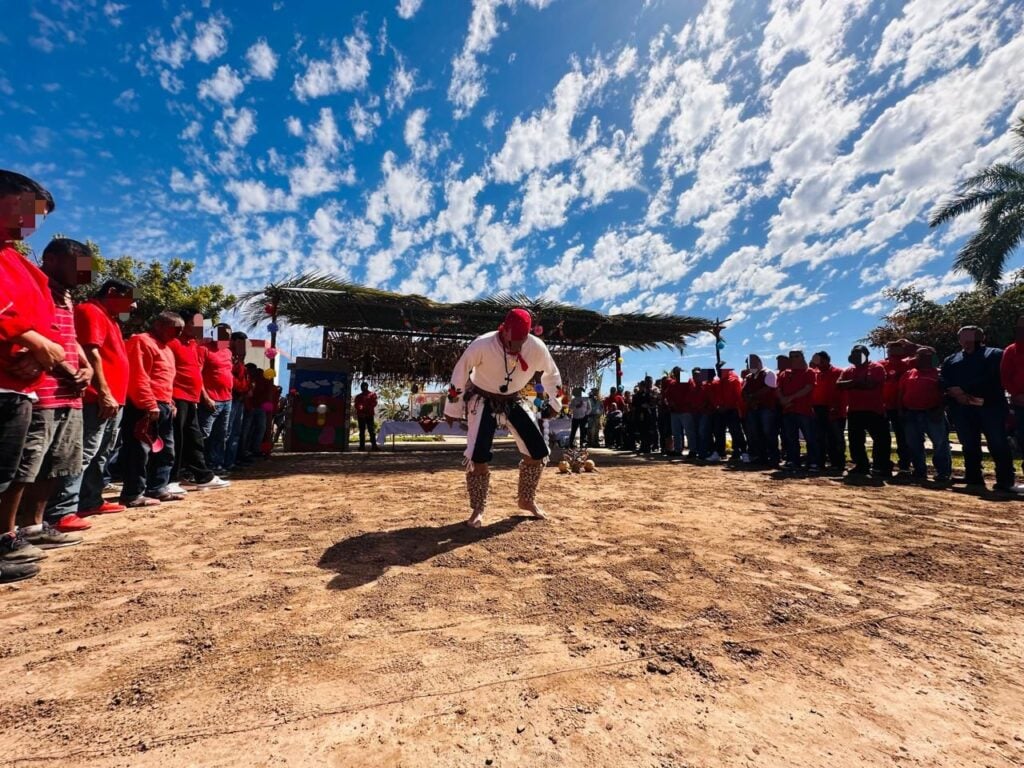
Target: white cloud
pixel 224 87
pixel 127 100
pixel 170 82
pixel 400 87
pixel 414 129
pixel 254 196
pixel 243 128
pixel 325 133
pixel 262 60
pixel 545 202
pixel 113 12
pixel 460 194
pixel 610 169
pixel 364 121
pixel 347 70
pixel 407 8
pixel 210 41
pixel 404 195
pixel 294 126
pixel 467 85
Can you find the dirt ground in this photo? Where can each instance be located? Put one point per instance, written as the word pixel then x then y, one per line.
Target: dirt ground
pixel 331 610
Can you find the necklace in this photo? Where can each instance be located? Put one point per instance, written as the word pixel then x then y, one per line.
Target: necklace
pixel 508 373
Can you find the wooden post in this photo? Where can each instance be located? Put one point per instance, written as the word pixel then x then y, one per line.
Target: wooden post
pixel 618 367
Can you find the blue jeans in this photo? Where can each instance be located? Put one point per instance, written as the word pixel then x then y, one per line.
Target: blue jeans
pixel 689 421
pixel 233 449
pixel 917 424
pixel 678 421
pixel 971 423
pixel 728 419
pixel 85 491
pixel 215 425
pixel 255 427
pixel 703 434
pixel 763 433
pixel 145 472
pixel 792 425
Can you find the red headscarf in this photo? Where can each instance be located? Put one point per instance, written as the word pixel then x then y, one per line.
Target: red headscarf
pixel 518 323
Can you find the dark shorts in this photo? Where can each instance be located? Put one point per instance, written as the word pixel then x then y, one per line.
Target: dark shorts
pixel 53 447
pixel 15 417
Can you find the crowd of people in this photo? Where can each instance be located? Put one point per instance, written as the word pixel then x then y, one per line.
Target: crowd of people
pixel 802 415
pixel 163 412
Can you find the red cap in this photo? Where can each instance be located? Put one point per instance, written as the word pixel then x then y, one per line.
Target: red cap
pixel 518 324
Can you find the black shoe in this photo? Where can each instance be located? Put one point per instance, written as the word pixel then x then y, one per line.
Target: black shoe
pixel 17 571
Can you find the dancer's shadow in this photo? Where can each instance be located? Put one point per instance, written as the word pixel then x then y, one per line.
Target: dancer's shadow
pixel 364 558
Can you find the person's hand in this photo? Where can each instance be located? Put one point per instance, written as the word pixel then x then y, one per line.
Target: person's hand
pixel 108 406
pixel 46 353
pixel 174 410
pixel 208 402
pixel 153 415
pixel 24 366
pixel 82 378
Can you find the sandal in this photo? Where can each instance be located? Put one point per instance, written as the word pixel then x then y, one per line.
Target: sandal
pixel 167 496
pixel 141 501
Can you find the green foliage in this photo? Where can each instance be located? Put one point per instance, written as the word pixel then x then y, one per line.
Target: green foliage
pixel 998 191
pixel 389 399
pixel 158 286
pixel 927 322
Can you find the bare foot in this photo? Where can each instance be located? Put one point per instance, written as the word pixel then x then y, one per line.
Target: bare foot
pixel 531 506
pixel 475 520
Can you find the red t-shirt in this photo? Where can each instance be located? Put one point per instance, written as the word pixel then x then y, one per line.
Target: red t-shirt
pixel 1011 370
pixel 151 372
pixel 366 403
pixel 188 376
pixel 894 370
pixel 614 400
pixel 97 328
pixel 728 392
pixel 825 391
pixel 920 390
pixel 240 383
pixel 215 362
pixel 59 391
pixel 676 395
pixel 870 400
pixel 25 305
pixel 792 381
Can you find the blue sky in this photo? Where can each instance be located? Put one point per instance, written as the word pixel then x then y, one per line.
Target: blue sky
pixel 769 162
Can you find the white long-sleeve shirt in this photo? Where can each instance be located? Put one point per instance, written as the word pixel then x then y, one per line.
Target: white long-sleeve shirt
pixel 486 364
pixel 580 407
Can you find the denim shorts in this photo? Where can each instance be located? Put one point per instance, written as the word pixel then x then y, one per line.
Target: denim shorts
pixel 53 447
pixel 15 417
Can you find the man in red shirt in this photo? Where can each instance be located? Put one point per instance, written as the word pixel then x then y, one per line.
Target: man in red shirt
pixel 216 361
pixel 896 366
pixel 366 407
pixel 796 386
pixel 727 393
pixel 188 391
pixel 614 397
pixel 103 344
pixel 922 404
pixel 829 413
pixel 147 454
pixel 27 349
pixel 53 446
pixel 862 383
pixel 675 394
pixel 762 402
pixel 240 389
pixel 1011 372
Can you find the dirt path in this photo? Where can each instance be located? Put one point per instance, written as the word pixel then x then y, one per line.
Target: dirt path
pixel 332 611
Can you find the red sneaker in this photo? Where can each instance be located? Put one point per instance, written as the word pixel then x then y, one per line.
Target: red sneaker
pixel 106 508
pixel 71 524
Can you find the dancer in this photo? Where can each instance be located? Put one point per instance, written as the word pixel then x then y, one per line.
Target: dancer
pixel 485 391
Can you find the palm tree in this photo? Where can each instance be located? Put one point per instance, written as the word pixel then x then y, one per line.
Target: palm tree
pixel 999 191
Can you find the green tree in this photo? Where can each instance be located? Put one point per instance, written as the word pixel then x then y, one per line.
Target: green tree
pixel 999 191
pixel 158 286
pixel 927 322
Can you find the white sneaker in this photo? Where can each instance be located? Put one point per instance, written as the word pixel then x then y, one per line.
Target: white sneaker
pixel 1018 488
pixel 745 458
pixel 210 485
pixel 176 488
pixel 714 457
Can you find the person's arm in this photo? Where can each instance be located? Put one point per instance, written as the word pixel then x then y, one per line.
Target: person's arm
pixel 108 406
pixel 140 388
pixel 83 375
pixel 454 405
pixel 550 378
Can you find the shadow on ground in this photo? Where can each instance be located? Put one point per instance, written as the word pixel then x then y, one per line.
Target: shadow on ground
pixel 361 559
